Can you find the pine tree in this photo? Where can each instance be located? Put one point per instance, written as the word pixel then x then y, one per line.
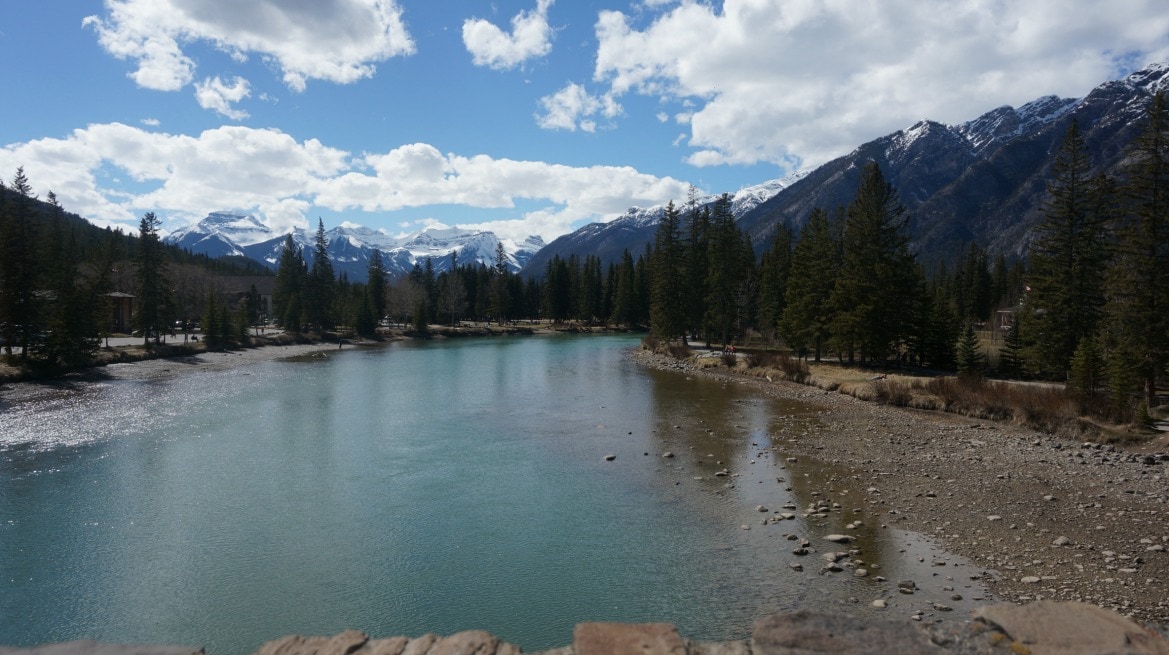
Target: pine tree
pixel 874 291
pixel 807 316
pixel 500 298
pixel 969 353
pixel 724 271
pixel 668 298
pixel 625 296
pixel 697 266
pixel 775 268
pixel 1138 281
pixel 291 283
pixel 1086 375
pixel 1068 255
pixel 154 298
pixel 376 282
pixel 1011 360
pixel 73 332
pixel 321 283
pixel 19 316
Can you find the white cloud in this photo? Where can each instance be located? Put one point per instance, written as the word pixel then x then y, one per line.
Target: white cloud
pixel 181 177
pixel 419 175
pixel 530 37
pixel 266 171
pixel 572 107
pixel 787 81
pixel 213 93
pixel 333 40
pixel 151 122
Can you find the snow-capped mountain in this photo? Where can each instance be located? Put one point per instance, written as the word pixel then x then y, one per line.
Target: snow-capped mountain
pixel 636 227
pixel 981 181
pixel 225 233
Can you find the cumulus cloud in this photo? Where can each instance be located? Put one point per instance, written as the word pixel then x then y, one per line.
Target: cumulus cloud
pixel 530 37
pixel 419 175
pixel 266 171
pixel 215 94
pixel 801 81
pixel 573 107
pixel 334 40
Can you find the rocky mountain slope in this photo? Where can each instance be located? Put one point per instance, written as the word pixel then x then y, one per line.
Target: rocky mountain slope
pixel 982 181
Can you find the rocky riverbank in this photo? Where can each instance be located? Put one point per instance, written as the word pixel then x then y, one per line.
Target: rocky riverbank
pixel 1052 518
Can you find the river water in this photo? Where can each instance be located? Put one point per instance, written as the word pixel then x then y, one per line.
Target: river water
pixel 411 488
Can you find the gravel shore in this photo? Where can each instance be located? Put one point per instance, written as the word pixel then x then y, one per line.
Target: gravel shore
pixel 1054 519
pixel 149 369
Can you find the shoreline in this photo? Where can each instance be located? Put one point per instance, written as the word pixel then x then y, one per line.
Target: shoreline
pixel 1053 518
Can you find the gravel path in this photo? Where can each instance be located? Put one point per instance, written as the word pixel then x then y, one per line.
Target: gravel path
pixel 1054 519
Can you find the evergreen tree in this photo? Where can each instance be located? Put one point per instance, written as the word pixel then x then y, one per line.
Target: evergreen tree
pixel 212 320
pixel 557 290
pixel 969 353
pixel 774 271
pixel 724 270
pixel 625 297
pixel 1011 360
pixel 942 330
pixel 376 282
pixel 154 298
pixel 321 284
pixel 500 298
pixel 19 318
pixel 73 332
pixel 365 323
pixel 807 315
pixel 1138 308
pixel 291 286
pixel 1086 375
pixel 668 297
pixel 697 253
pixel 874 291
pixel 1068 255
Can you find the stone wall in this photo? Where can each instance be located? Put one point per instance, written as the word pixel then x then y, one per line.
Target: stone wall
pixel 1042 628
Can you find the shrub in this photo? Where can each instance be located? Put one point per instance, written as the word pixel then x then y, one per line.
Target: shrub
pixel 679 351
pixel 794 369
pixel 729 359
pixel 890 392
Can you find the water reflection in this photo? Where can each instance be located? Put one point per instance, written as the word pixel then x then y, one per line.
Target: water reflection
pixel 728 445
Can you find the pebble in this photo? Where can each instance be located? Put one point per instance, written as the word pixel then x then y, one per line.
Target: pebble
pixel 1061 541
pixel 880 604
pixel 1029 579
pixel 609 458
pixel 839 538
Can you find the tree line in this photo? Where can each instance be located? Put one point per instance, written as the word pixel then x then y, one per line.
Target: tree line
pixel 57 272
pixel 1087 306
pixel 1090 306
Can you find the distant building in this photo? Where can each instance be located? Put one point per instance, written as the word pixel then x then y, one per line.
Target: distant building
pixel 121 311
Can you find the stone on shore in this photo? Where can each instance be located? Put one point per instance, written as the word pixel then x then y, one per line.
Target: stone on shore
pixel 1070 628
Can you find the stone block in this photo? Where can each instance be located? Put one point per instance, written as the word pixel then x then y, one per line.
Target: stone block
pixel 1070 628
pixel 805 633
pixel 627 639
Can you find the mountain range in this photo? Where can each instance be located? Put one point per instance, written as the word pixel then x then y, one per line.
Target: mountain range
pixel 982 181
pixel 234 234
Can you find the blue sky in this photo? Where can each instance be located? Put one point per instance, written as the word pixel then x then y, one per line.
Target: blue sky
pixel 521 116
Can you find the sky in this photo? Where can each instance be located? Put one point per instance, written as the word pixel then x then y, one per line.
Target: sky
pixel 525 117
